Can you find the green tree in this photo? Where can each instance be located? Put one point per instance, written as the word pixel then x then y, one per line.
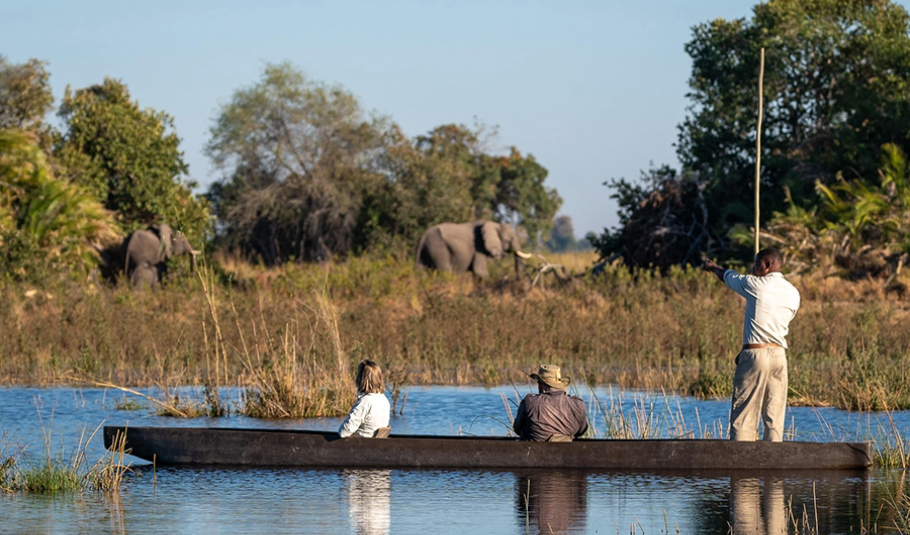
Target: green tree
pixel 433 178
pixel 25 94
pixel 521 196
pixel 129 159
pixel 299 158
pixel 663 221
pixel 858 228
pixel 447 175
pixel 47 225
pixel 836 88
pixel 308 174
pixel 562 236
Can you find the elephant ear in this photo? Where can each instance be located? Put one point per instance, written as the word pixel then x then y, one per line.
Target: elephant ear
pixel 166 234
pixel 489 231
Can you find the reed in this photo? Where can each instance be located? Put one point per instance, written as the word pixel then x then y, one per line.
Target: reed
pixel 62 472
pixel 902 515
pixel 890 447
pixel 290 378
pixel 650 418
pixel 275 333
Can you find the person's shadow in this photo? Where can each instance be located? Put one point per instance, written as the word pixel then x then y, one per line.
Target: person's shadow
pixel 369 496
pixel 551 501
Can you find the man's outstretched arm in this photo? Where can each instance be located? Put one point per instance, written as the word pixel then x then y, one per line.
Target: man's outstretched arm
pixel 711 267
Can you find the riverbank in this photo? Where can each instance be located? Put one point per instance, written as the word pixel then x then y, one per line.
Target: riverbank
pixel 311 324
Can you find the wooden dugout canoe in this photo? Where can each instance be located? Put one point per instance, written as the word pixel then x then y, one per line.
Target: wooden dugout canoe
pixel 312 449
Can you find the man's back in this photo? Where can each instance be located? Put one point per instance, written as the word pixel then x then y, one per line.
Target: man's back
pixel 541 416
pixel 771 303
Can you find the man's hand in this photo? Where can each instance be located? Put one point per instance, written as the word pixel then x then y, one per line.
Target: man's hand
pixel 711 267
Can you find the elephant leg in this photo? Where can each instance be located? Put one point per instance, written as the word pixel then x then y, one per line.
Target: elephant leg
pixel 144 276
pixel 439 256
pixel 479 265
pixel 443 260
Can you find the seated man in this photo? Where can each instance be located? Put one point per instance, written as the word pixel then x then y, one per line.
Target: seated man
pixel 551 415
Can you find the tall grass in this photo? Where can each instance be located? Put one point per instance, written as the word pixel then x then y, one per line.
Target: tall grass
pixel 55 472
pixel 281 332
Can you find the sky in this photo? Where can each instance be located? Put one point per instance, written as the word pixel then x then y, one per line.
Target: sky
pixel 594 90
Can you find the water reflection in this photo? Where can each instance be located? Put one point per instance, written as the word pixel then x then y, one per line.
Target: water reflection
pixel 820 502
pixel 552 501
pixel 369 495
pixel 291 501
pixel 757 506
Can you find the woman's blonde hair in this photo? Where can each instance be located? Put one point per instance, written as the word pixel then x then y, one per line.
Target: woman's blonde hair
pixel 369 378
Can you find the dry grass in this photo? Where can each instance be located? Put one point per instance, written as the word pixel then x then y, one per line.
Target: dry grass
pixel 292 337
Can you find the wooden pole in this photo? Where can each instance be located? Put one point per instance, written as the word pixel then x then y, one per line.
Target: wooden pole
pixel 761 76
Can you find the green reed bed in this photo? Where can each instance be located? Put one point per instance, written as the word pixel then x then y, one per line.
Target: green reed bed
pixel 268 331
pixel 62 471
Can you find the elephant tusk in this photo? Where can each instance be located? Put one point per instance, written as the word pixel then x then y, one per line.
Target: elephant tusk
pixel 522 255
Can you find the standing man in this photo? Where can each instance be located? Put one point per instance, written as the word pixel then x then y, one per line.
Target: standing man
pixel 552 415
pixel 760 381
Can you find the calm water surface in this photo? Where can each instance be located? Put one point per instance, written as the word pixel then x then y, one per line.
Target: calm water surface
pixel 172 500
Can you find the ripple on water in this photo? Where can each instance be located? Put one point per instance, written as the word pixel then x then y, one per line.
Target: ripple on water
pixel 231 500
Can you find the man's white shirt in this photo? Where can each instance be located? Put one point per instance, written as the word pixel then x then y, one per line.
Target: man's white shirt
pixel 771 303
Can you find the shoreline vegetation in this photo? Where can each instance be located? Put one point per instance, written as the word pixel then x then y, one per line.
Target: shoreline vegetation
pixel 63 471
pixel 290 337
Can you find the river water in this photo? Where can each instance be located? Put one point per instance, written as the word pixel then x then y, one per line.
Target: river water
pixel 225 500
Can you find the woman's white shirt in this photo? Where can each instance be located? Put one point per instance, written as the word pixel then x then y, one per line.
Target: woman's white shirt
pixel 369 413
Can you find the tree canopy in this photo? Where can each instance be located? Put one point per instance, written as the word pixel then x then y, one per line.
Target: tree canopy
pixel 309 174
pixel 299 156
pixel 449 175
pixel 129 159
pixel 25 94
pixel 46 224
pixel 836 89
pixel 562 236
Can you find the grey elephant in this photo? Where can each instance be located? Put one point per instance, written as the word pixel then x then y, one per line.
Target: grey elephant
pixel 464 247
pixel 146 253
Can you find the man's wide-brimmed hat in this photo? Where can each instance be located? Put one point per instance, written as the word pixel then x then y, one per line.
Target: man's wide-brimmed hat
pixel 549 375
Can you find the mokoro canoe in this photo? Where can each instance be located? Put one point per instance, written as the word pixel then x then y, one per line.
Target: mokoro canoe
pixel 271 447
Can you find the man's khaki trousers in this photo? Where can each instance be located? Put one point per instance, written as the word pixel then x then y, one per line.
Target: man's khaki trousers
pixel 759 389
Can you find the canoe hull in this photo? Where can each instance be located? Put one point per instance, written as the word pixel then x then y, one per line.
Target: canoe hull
pixel 261 447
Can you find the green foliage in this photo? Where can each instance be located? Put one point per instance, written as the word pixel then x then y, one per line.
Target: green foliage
pixel 663 221
pixel 521 196
pixel 309 175
pixel 562 236
pixel 129 159
pixel 300 157
pixel 446 175
pixel 436 178
pixel 860 227
pixel 46 224
pixel 835 89
pixel 25 94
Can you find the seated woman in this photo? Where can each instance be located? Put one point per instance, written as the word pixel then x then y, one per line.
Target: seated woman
pixel 371 411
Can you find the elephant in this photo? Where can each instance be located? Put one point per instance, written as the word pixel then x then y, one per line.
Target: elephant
pixel 147 251
pixel 464 247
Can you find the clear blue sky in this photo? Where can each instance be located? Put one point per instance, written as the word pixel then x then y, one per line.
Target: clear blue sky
pixel 594 90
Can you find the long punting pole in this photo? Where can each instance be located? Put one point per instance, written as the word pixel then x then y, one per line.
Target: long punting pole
pixel 761 76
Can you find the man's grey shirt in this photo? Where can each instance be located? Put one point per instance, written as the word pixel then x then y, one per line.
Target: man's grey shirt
pixel 541 416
